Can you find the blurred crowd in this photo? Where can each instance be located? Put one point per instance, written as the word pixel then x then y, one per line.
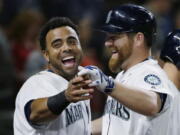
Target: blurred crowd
pixel 20 56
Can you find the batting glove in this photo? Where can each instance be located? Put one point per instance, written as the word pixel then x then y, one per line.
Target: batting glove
pixel 101 81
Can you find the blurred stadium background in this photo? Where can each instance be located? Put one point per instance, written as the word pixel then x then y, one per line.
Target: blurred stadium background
pixel 20 57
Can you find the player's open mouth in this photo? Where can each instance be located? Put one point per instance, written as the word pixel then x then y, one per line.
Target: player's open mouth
pixel 113 51
pixel 69 61
pixel 114 54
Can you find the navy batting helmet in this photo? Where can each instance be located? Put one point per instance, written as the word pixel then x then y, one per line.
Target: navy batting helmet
pixel 130 18
pixel 171 49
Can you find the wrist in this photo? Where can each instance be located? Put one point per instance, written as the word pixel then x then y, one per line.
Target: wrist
pixel 58 103
pixel 66 96
pixel 110 85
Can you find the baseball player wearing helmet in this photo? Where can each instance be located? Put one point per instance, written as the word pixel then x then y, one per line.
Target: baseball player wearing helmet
pixel 170 55
pixel 52 102
pixel 139 99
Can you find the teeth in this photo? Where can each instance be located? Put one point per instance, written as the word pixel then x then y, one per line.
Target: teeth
pixel 113 51
pixel 69 57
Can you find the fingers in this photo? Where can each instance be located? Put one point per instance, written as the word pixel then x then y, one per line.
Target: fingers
pixel 78 89
pixel 80 68
pixel 82 98
pixel 77 80
pixel 82 92
pixel 79 95
pixel 80 82
pixel 84 72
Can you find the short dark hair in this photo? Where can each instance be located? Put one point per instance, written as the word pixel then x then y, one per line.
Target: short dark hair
pixel 148 38
pixel 52 24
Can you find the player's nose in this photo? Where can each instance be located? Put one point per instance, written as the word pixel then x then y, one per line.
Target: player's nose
pixel 66 47
pixel 108 43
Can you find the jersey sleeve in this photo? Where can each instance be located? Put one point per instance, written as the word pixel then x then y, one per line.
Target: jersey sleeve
pixel 32 89
pixel 152 81
pixel 35 88
pixel 157 82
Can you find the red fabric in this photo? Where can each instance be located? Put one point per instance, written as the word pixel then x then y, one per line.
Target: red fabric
pixel 89 61
pixel 20 55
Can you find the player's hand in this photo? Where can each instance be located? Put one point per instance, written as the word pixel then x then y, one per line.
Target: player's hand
pixel 78 89
pixel 101 81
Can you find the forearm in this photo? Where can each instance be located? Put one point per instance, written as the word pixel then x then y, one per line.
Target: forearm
pixel 40 111
pixel 97 126
pixel 47 109
pixel 144 102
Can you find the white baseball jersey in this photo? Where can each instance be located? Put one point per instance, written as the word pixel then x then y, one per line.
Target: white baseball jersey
pixel 174 120
pixel 74 120
pixel 120 120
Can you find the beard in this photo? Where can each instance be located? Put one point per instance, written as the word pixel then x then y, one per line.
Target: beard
pixel 115 63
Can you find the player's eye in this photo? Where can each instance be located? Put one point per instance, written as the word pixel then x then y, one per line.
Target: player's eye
pixel 57 44
pixel 72 41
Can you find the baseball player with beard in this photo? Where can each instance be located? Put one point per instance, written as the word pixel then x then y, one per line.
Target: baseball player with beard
pixel 139 99
pixel 54 102
pixel 170 56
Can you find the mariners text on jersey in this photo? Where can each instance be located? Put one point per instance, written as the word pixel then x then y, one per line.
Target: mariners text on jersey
pixel 117 109
pixel 73 114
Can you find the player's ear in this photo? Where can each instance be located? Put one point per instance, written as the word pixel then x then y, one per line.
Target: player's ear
pixel 139 38
pixel 46 55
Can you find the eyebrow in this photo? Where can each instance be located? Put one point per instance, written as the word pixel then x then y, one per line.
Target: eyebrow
pixel 56 40
pixel 72 37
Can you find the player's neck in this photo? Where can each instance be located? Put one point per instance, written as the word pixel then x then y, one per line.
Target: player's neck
pixel 52 69
pixel 135 59
pixel 58 72
pixel 173 73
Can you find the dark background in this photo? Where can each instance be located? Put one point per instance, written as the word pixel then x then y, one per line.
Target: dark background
pixel 21 20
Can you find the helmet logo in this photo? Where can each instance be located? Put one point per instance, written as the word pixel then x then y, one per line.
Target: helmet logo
pixel 178 49
pixel 108 16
